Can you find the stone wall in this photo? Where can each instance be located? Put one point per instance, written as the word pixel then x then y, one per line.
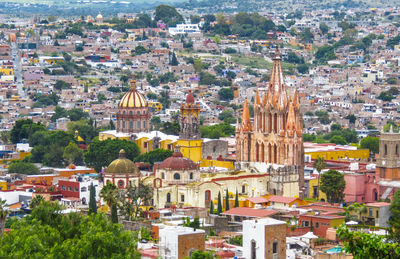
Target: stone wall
pixel 214 149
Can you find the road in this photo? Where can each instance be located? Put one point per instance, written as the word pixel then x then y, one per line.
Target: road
pixel 17 69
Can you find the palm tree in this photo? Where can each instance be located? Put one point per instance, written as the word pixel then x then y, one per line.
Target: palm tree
pixel 3 215
pixel 319 165
pixel 109 194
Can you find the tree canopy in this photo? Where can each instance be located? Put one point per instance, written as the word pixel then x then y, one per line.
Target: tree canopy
pixel 20 167
pixel 23 129
pixel 157 155
pixel 46 233
pixel 168 14
pixel 102 153
pixel 333 184
pixel 371 143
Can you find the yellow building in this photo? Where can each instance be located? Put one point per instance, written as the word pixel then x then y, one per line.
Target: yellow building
pixel 334 152
pixel 6 70
pixel 313 188
pixel 3 185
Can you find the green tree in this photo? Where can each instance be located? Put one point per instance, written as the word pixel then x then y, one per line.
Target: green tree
pixel 174 60
pixel 51 234
pixel 352 118
pixel 109 194
pixel 371 143
pixel 20 167
pixel 364 245
pixel 102 153
pixel 3 215
pixel 23 129
pixel 324 28
pixel 114 214
pixel 338 140
pixel 168 14
pixel 60 84
pixel 73 154
pixel 226 116
pixel 36 201
pixel 333 184
pixel 385 96
pixel 219 208
pixel 211 207
pixel 226 94
pixel 319 165
pixel 133 197
pixel 226 200
pixel 236 199
pixel 92 200
pixel 157 155
pixel 394 220
pixel 198 254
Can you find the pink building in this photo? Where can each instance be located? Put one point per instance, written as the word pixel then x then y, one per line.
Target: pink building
pixel 361 187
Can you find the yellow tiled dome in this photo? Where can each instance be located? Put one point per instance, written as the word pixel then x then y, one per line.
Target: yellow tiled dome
pixel 122 165
pixel 132 99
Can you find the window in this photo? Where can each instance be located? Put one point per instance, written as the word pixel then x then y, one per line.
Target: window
pixel 275 247
pixel 316 225
pixel 177 176
pixel 377 213
pixel 306 223
pixel 370 212
pixel 83 189
pixel 243 188
pixel 145 144
pixel 207 195
pixel 182 198
pixel 121 183
pixel 70 188
pixel 144 124
pixel 168 197
pixel 385 149
pixel 162 176
pixel 131 125
pixel 315 191
pixel 63 187
pixel 191 176
pixel 138 124
pixel 76 189
pixel 130 113
pixel 397 149
pixel 144 112
pixel 253 249
pixel 123 124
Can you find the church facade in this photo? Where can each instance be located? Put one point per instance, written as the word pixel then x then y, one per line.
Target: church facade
pixel 272 142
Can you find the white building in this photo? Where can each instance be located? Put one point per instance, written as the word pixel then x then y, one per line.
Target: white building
pixel 184 28
pixel 180 242
pixel 264 238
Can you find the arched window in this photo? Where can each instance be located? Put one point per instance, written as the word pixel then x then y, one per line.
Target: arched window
pixel 168 197
pixel 121 184
pixel 144 112
pixel 177 176
pixel 243 188
pixel 130 113
pixel 138 112
pixel 124 113
pixel 138 124
pixel 191 176
pixel 131 125
pixel 207 195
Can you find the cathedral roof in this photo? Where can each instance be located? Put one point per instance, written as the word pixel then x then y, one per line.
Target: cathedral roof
pixel 122 165
pixel 132 99
pixel 178 162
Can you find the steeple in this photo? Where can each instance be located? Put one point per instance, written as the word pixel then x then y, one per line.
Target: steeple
pixel 296 100
pixel 276 84
pixel 291 120
pixel 246 124
pixel 257 98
